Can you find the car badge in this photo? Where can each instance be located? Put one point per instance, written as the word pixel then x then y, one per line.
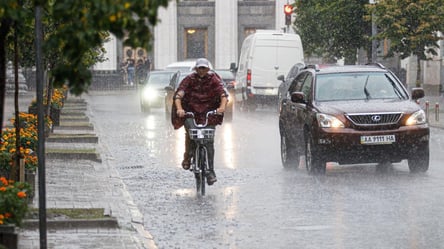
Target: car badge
pixel 376 118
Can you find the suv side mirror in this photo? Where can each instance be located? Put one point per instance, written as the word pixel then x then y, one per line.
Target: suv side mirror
pixel 417 93
pixel 298 97
pixel 281 78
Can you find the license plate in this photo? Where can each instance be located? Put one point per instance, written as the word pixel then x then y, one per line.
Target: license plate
pixel 382 139
pixel 265 91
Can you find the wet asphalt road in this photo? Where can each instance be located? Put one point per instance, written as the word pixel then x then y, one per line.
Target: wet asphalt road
pixel 256 203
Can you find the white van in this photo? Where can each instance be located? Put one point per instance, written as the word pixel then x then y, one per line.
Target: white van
pixel 264 56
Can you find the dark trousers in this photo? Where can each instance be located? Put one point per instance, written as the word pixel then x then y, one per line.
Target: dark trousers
pixel 190 146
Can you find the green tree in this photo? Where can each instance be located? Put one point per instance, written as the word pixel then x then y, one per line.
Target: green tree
pixel 411 26
pixel 333 29
pixel 10 15
pixel 82 27
pixel 75 31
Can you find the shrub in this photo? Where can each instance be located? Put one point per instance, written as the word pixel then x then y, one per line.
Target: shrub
pixel 13 201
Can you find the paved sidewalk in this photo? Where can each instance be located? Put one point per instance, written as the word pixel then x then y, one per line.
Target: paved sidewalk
pixel 88 184
pixel 83 183
pixel 435 116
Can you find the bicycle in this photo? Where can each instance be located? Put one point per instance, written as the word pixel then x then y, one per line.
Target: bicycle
pixel 200 135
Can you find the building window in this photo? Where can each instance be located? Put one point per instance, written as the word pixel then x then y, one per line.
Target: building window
pixel 196 43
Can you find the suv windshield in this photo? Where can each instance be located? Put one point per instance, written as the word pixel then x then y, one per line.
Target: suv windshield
pixel 357 86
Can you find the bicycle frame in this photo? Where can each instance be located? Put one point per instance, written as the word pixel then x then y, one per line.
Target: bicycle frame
pixel 200 135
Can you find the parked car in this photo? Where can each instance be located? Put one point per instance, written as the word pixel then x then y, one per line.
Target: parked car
pixel 286 81
pixel 152 90
pixel 228 78
pixel 170 89
pixel 352 114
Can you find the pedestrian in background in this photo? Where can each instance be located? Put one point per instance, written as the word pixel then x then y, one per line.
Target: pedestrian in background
pixel 130 69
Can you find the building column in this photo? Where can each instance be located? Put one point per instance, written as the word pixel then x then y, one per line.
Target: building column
pixel 112 55
pixel 165 36
pixel 410 66
pixel 226 16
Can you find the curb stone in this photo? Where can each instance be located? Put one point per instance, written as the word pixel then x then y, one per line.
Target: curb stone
pixel 73 138
pixel 70 155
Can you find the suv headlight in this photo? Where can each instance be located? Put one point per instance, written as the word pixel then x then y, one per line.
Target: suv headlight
pixel 416 118
pixel 329 121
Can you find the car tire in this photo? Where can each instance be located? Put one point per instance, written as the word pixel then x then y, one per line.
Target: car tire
pixel 383 167
pixel 313 162
pixel 144 108
pixel 289 155
pixel 228 116
pixel 279 103
pixel 419 161
pixel 251 105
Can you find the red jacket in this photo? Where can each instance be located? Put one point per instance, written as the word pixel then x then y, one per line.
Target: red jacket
pixel 201 96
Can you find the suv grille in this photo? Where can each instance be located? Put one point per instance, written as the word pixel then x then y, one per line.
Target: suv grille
pixel 372 119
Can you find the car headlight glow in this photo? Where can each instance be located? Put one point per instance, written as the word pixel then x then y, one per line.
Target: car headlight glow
pixel 416 118
pixel 329 121
pixel 149 93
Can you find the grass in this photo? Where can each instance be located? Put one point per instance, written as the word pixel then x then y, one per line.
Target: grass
pixel 91 150
pixel 71 135
pixel 68 213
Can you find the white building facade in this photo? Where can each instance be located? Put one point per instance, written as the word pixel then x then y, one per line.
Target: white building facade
pixel 213 29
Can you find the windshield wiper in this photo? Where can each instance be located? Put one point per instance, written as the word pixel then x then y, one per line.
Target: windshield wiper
pixel 395 87
pixel 367 94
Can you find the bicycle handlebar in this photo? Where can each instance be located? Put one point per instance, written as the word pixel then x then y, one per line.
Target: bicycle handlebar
pixel 191 115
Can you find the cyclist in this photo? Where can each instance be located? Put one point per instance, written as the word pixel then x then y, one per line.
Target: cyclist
pixel 200 92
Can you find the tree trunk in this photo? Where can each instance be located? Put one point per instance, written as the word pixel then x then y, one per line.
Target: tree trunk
pixel 350 57
pixel 5 25
pixel 418 71
pixel 16 102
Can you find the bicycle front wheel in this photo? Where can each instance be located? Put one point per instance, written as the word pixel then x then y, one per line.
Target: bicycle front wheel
pixel 200 176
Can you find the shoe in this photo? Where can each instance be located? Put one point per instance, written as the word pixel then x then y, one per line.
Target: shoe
pixel 186 164
pixel 211 178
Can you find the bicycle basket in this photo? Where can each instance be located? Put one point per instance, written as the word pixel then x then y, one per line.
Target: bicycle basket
pixel 196 134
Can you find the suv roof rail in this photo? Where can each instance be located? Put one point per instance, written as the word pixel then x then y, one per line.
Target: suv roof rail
pixel 376 64
pixel 314 66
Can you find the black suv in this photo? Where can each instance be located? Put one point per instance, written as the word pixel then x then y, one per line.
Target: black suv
pixel 352 114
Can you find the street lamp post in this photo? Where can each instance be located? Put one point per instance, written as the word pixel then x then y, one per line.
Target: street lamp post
pixel 40 124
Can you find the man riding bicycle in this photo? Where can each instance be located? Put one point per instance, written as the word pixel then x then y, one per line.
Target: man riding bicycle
pixel 200 92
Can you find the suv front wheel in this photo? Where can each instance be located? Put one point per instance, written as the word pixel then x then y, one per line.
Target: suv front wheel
pixel 419 161
pixel 313 161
